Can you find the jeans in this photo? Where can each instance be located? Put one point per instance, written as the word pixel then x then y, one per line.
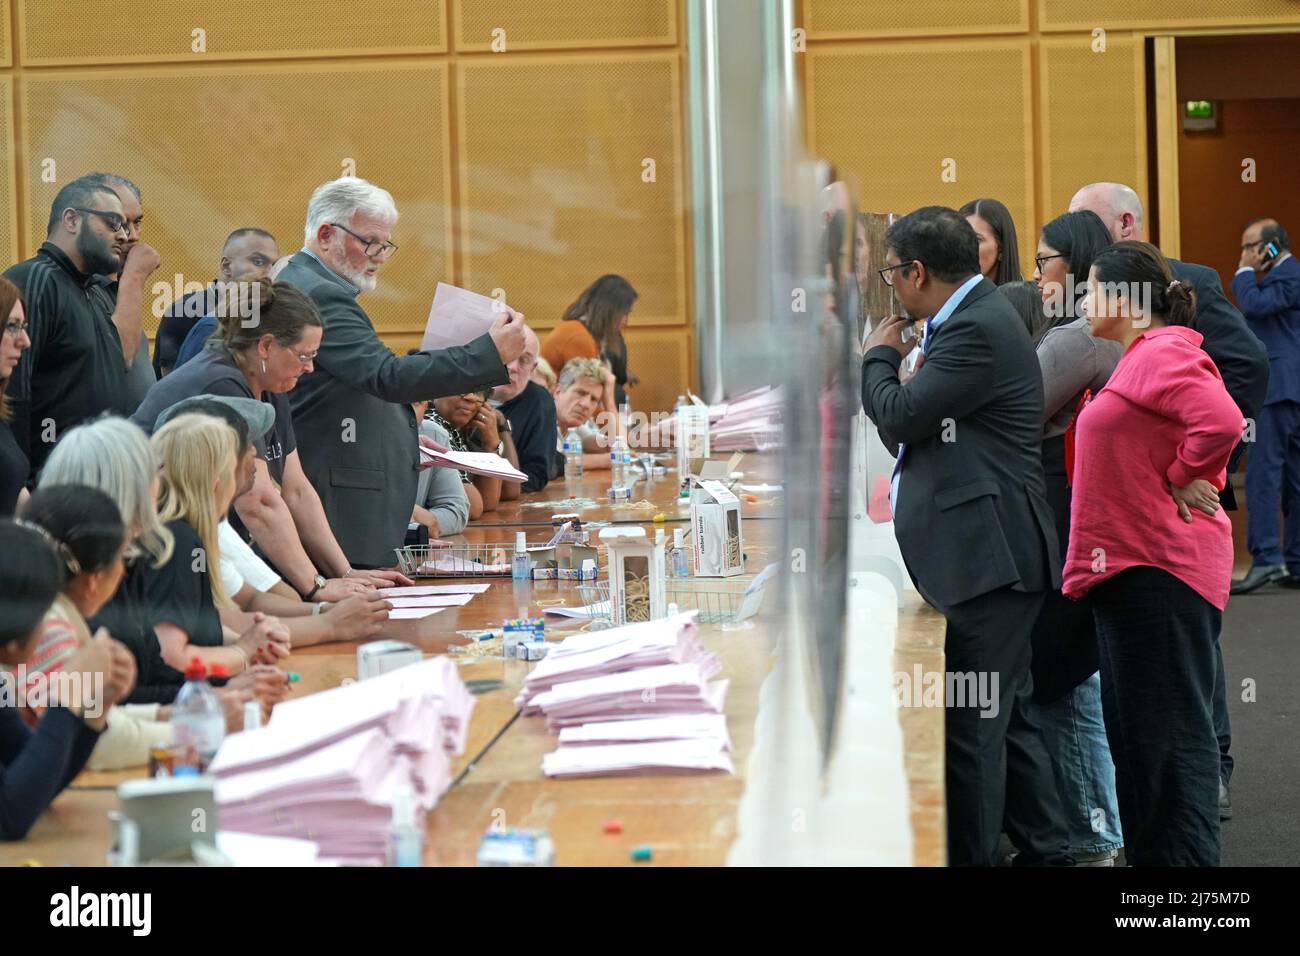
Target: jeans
pixel 1157 640
pixel 1075 736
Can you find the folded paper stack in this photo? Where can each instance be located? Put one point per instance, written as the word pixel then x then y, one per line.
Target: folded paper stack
pixel 632 699
pixel 327 766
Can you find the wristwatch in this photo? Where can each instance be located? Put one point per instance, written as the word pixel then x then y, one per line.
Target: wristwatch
pixel 318 582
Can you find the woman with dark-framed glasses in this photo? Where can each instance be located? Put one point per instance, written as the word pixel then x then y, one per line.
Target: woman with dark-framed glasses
pixel 13 340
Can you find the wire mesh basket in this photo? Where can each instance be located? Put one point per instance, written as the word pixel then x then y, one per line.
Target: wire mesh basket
pixel 456 561
pixel 718 602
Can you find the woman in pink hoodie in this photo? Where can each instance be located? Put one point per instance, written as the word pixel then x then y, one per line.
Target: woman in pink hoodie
pixel 1151 546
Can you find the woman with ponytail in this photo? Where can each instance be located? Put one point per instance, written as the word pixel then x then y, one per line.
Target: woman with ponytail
pixel 37 763
pixel 85 528
pixel 260 350
pixel 1152 549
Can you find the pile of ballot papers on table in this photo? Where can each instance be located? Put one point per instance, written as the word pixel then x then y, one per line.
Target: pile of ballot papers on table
pixel 748 422
pixel 631 699
pixel 328 766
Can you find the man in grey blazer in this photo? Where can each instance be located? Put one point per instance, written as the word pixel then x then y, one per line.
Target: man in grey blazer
pixel 357 435
pixel 972 521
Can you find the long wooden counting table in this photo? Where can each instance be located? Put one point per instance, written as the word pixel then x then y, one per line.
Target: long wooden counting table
pixel 686 819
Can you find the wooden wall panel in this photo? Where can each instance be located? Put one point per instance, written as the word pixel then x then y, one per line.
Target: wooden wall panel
pixel 146 31
pixel 1087 15
pixel 853 19
pixel 663 358
pixel 1092 117
pixel 895 137
pixel 6 45
pixel 217 149
pixel 8 198
pixel 551 200
pixel 486 25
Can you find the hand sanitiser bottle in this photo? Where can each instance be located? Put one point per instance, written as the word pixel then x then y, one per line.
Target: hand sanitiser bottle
pixel 519 570
pixel 678 555
pixel 405 838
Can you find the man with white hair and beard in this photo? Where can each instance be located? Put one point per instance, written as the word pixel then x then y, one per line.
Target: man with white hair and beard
pixel 76 367
pixel 1242 362
pixel 357 435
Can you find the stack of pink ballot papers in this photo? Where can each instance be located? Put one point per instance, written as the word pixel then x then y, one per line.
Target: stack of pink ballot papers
pixel 473 462
pixel 327 767
pixel 748 422
pixel 631 700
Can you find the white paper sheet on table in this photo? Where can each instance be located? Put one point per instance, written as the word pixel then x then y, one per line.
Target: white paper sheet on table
pixel 585 612
pixel 431 600
pixel 699 754
pixel 255 849
pixel 458 316
pixel 678 727
pixel 474 462
pixel 421 590
pixel 412 613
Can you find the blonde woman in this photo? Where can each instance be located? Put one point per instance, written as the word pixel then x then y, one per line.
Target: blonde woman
pixel 197 455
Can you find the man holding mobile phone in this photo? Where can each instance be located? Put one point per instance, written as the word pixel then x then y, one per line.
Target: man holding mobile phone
pixel 1267 287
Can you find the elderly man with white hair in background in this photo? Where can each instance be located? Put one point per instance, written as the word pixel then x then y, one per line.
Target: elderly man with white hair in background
pixel 1242 362
pixel 530 417
pixel 357 435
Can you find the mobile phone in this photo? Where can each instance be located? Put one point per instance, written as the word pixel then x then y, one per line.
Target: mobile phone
pixel 1270 252
pixel 909 332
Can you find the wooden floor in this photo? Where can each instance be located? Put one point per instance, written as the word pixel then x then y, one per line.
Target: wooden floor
pixel 686 819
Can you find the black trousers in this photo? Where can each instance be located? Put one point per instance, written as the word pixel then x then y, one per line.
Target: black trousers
pixel 1158 646
pixel 996 765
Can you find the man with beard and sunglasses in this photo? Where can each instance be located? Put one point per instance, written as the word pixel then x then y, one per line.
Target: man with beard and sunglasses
pixel 75 369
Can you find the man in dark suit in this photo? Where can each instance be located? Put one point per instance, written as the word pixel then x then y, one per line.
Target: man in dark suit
pixel 1241 360
pixel 972 520
pixel 1267 287
pixel 357 435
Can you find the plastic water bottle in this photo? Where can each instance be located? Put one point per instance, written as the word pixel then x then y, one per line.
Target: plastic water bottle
pixel 572 456
pixel 618 468
pixel 197 718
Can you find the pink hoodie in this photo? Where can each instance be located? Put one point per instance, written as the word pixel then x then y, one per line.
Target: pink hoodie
pixel 1164 417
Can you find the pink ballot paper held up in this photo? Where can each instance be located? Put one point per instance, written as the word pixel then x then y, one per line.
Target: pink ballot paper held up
pixel 458 316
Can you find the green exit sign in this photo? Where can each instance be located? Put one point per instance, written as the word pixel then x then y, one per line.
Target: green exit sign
pixel 1199 109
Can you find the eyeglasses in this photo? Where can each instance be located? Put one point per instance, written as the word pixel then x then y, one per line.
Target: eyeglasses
pixel 111 219
pixel 15 328
pixel 1039 260
pixel 373 246
pixel 302 357
pixel 884 273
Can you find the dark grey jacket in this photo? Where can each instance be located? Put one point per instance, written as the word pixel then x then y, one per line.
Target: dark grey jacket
pixel 972 511
pixel 357 436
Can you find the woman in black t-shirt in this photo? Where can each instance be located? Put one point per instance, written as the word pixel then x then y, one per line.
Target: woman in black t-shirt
pixel 197 455
pixel 263 360
pixel 13 340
